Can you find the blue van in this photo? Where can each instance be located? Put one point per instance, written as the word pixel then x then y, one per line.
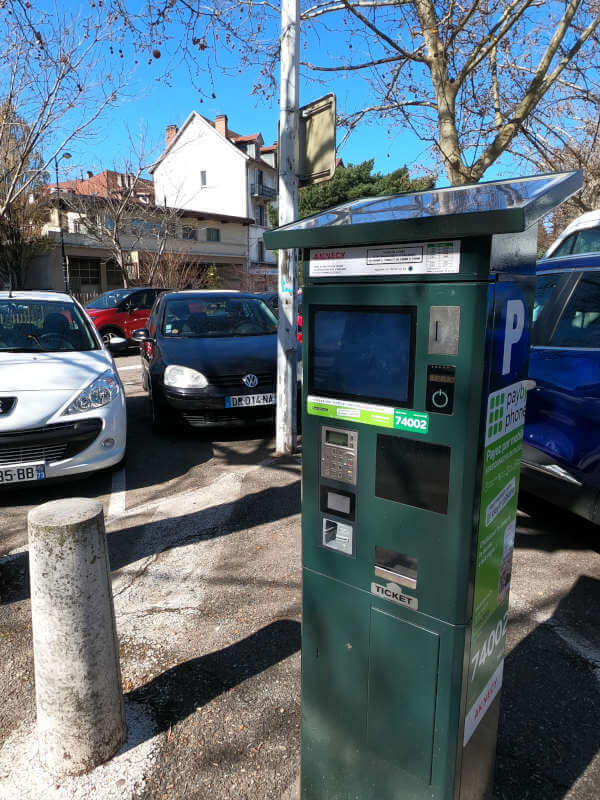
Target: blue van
pixel 561 454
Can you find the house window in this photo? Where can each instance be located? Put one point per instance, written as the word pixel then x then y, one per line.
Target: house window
pixel 135 227
pixel 151 228
pixel 85 271
pixel 203 178
pixel 189 233
pixel 114 274
pixel 261 250
pixel 260 215
pixel 259 177
pixel 213 235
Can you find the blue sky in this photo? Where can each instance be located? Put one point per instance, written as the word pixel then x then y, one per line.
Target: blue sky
pixel 158 105
pixel 151 105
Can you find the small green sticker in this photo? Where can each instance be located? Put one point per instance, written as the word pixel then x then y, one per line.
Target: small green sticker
pixel 413 421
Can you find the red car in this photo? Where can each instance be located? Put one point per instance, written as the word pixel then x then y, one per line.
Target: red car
pixel 120 312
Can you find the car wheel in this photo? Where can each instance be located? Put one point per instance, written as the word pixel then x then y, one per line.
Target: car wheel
pixel 108 333
pixel 161 419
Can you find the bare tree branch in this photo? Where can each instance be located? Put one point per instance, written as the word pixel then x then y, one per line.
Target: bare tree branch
pixel 58 77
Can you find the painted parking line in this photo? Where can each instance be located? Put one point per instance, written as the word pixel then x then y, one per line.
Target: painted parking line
pixel 116 502
pixel 577 642
pixel 580 644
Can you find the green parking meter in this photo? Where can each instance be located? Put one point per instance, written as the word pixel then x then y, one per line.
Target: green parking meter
pixel 416 315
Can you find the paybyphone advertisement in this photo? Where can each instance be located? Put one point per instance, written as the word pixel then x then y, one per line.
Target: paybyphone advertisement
pixel 504 424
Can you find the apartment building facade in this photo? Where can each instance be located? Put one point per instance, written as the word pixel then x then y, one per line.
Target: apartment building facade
pixel 83 212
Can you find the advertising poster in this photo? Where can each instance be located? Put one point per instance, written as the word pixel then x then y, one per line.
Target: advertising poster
pixel 497 523
pixel 504 424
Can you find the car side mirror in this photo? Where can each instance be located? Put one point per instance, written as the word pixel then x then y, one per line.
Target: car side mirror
pixel 141 335
pixel 118 344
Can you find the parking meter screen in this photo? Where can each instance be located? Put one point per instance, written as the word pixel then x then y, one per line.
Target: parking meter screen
pixel 363 353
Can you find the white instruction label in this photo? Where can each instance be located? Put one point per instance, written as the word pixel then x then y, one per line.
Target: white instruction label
pixel 413 258
pixel 391 591
pixel 483 702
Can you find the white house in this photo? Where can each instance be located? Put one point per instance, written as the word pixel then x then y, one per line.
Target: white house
pixel 209 168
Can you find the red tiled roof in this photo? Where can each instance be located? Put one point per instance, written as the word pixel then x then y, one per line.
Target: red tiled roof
pixel 105 183
pixel 249 138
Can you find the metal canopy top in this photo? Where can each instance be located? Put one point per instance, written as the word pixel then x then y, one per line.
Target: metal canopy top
pixel 479 209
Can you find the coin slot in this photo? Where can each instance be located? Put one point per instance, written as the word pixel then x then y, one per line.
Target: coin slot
pixel 400 568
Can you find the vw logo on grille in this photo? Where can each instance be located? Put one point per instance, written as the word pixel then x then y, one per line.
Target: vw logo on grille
pixel 7 404
pixel 250 380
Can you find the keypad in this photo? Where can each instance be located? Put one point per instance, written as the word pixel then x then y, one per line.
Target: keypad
pixel 338 463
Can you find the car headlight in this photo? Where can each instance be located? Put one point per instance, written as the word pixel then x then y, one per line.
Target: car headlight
pixel 99 393
pixel 184 378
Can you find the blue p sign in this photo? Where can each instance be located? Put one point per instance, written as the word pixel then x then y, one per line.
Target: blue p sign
pixel 511 334
pixel 513 331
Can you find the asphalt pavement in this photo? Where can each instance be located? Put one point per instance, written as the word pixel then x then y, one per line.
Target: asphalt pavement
pixel 204 542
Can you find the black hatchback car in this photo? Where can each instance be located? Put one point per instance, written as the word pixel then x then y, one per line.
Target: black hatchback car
pixel 209 358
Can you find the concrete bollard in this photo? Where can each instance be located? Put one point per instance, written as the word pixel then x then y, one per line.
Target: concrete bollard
pixel 80 713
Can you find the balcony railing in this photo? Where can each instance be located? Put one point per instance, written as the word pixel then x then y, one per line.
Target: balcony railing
pixel 260 190
pixel 263 268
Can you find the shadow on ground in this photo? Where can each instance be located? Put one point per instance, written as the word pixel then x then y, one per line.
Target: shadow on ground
pixel 155 459
pixel 131 544
pixel 181 690
pixel 542 526
pixel 548 732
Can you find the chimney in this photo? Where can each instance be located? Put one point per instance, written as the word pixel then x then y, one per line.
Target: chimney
pixel 170 134
pixel 221 124
pixel 89 174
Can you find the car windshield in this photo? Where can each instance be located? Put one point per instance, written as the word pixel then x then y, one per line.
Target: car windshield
pixel 205 317
pixel 110 299
pixel 43 326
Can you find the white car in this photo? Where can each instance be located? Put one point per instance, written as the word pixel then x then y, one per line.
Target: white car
pixel 581 236
pixel 62 404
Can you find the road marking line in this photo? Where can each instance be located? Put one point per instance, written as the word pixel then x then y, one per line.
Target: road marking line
pixel 580 644
pixel 116 503
pixel 576 641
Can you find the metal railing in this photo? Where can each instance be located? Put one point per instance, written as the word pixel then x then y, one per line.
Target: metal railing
pixel 263 268
pixel 260 190
pixel 84 297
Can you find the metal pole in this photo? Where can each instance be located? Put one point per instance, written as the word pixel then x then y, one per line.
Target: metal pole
pixel 287 346
pixel 63 258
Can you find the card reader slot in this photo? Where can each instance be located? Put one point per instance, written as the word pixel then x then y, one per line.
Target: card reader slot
pixel 337 535
pixel 396 567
